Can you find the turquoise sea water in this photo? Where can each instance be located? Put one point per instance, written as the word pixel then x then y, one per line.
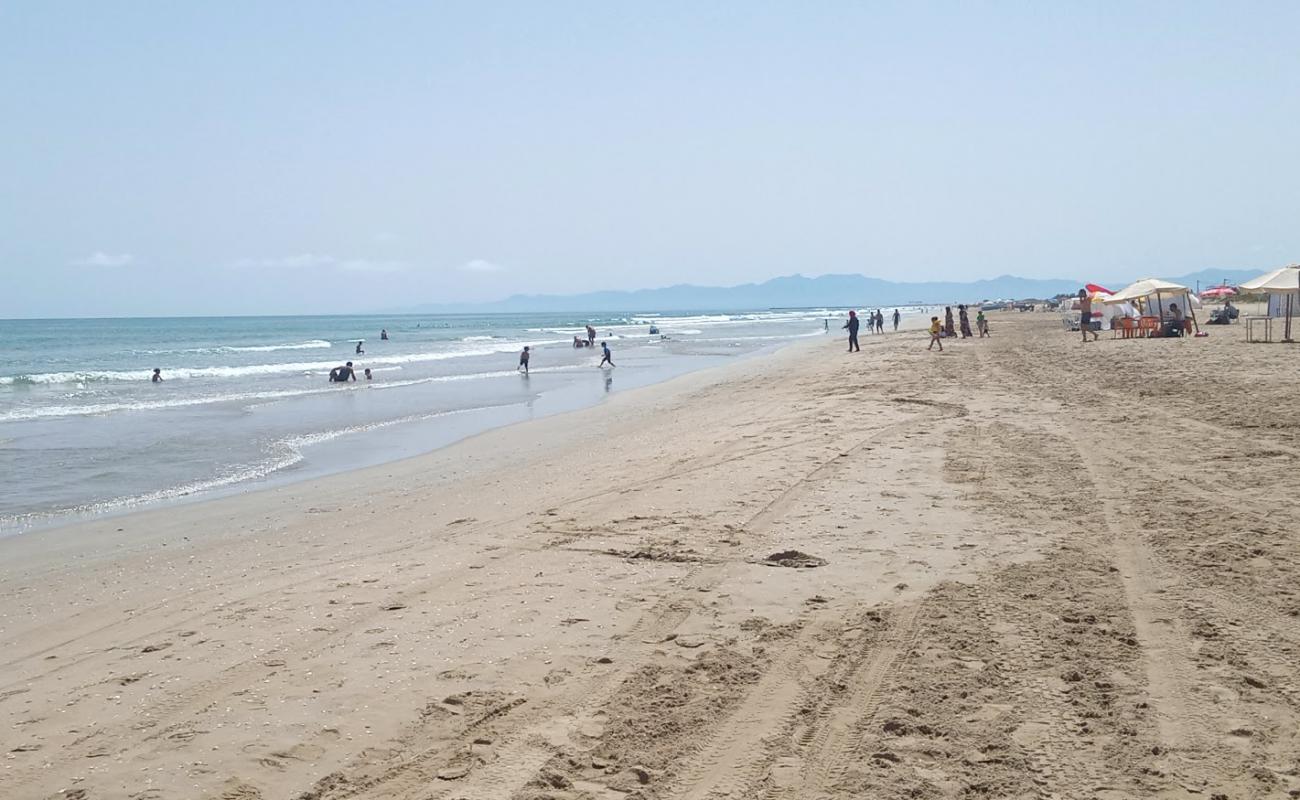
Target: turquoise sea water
pixel 245 401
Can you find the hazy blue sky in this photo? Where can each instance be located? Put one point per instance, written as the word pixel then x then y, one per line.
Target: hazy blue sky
pixel 288 157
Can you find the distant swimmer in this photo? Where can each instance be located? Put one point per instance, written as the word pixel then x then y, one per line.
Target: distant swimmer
pixel 606 356
pixel 897 316
pixel 383 335
pixel 368 375
pixel 523 360
pixel 591 336
pixel 359 350
pixel 157 375
pixel 343 374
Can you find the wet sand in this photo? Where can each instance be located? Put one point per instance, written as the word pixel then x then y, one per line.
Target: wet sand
pixel 1026 567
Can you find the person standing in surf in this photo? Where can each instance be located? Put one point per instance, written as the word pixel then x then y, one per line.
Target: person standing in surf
pixel 606 356
pixel 897 316
pixel 523 360
pixel 591 336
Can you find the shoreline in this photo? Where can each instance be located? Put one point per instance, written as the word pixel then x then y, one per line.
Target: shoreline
pixel 341 479
pixel 312 461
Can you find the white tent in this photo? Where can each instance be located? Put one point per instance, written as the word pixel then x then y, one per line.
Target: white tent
pixel 1286 279
pixel 1153 295
pixel 1282 285
pixel 1145 288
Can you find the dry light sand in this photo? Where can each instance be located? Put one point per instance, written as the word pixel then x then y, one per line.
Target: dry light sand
pixel 1034 568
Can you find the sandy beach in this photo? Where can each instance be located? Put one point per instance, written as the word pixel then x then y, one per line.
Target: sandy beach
pixel 1023 568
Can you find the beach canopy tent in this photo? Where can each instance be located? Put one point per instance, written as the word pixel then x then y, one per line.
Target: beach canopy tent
pixel 1286 279
pixel 1283 288
pixel 1152 297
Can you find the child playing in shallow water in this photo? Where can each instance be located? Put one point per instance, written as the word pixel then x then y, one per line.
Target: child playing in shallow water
pixel 936 334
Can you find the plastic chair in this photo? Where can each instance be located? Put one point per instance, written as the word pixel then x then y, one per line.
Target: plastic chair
pixel 1148 327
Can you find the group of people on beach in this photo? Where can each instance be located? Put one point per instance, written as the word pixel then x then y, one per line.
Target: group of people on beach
pixel 875 324
pixel 947 329
pixel 606 355
pixel 346 372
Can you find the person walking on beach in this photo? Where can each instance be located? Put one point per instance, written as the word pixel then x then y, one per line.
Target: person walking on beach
pixel 965 322
pixel 936 334
pixel 897 317
pixel 1085 316
pixel 948 329
pixel 606 356
pixel 880 321
pixel 981 323
pixel 523 360
pixel 852 326
pixel 157 375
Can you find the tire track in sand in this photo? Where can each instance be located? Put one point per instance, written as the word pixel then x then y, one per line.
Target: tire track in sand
pixel 527 752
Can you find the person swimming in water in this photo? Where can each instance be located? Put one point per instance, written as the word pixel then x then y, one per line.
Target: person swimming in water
pixel 368 375
pixel 343 374
pixel 157 375
pixel 383 334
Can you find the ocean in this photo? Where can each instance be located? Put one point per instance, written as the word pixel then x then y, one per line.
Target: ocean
pixel 245 402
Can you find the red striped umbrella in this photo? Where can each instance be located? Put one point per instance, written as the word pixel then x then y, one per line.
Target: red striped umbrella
pixel 1218 291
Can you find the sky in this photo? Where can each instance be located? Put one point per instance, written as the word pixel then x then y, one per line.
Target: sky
pixel 311 157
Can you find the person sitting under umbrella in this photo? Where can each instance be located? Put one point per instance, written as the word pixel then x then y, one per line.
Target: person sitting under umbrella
pixel 1175 326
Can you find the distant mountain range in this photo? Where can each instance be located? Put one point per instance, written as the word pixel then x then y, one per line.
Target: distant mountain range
pixel 797 291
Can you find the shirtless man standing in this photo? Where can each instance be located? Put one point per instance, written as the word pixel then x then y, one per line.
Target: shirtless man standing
pixel 1085 315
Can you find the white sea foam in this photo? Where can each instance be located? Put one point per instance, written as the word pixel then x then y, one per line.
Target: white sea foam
pixel 314 344
pixel 99 409
pixel 253 399
pixel 248 370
